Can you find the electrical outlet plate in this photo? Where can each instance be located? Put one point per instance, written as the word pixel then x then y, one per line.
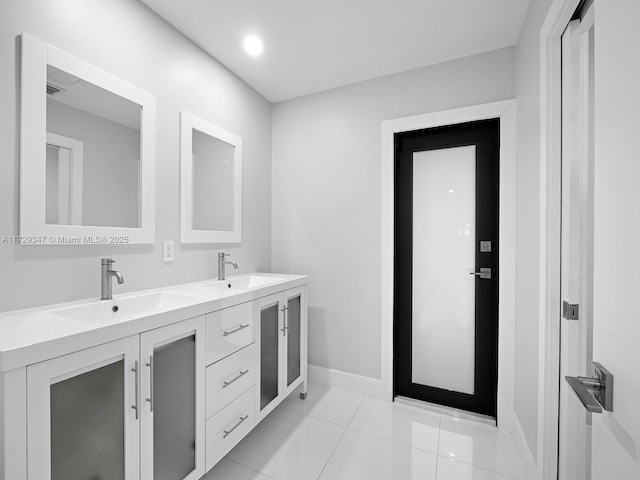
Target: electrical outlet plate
pixel 167 251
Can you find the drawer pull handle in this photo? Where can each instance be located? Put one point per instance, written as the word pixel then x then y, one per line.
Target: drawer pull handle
pixel 229 332
pixel 238 377
pixel 228 432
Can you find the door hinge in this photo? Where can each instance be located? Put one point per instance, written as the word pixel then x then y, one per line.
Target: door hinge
pixel 570 311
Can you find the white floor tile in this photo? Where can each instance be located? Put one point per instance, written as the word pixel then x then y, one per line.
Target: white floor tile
pixel 360 456
pixel 401 423
pixel 452 470
pixel 308 440
pixel 287 445
pixel 480 445
pixel 330 404
pixel 228 470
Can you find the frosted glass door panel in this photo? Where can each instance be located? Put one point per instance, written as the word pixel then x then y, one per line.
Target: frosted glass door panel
pixel 268 355
pixel 443 340
pixel 87 425
pixel 293 339
pixel 174 409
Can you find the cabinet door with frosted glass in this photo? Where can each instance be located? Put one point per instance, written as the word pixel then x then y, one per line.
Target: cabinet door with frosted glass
pixel 294 354
pixel 281 346
pixel 269 344
pixel 83 414
pixel 172 406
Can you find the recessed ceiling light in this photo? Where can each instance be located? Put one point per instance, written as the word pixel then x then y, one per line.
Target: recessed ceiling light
pixel 253 45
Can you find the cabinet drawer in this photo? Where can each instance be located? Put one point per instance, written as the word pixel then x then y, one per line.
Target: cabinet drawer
pixel 229 377
pixel 228 427
pixel 228 331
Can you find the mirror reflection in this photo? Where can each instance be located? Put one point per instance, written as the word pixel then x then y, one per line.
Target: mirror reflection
pixel 92 156
pixel 213 183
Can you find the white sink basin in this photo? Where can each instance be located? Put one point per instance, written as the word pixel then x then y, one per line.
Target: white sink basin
pixel 215 289
pixel 250 281
pixel 125 307
pixel 231 286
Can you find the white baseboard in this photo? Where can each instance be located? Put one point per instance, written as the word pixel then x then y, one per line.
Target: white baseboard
pixel 520 441
pixel 370 387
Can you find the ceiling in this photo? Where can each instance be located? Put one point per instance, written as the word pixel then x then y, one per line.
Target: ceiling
pixel 311 46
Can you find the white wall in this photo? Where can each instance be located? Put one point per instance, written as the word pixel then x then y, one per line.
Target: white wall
pixel 326 200
pixel 528 222
pixel 126 39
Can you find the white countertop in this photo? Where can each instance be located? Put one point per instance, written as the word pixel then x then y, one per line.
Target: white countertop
pixel 36 334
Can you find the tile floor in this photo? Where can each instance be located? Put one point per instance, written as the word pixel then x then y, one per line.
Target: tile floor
pixel 339 435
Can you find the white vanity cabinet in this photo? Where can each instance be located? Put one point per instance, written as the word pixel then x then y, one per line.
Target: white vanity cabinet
pixel 127 409
pixel 230 379
pixel 160 395
pixel 281 347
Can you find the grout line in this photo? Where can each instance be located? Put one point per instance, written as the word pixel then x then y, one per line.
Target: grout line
pixel 248 468
pixel 345 427
pixel 473 465
pixel 284 405
pixel 355 411
pixel 438 447
pixel 332 452
pixel 382 437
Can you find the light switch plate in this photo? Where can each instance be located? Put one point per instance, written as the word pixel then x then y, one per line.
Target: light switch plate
pixel 167 251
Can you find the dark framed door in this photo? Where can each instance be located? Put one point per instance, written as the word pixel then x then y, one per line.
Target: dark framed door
pixel 446 265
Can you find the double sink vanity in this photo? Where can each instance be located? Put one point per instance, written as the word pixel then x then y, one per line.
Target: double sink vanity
pixel 154 384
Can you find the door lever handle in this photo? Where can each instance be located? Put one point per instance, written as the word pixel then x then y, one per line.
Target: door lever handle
pixel 582 391
pixel 484 273
pixel 594 393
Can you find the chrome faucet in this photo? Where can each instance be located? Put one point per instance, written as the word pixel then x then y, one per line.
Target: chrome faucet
pixel 222 262
pixel 105 278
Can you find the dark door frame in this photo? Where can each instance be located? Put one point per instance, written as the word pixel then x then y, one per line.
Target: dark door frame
pixel 506 111
pixel 485 134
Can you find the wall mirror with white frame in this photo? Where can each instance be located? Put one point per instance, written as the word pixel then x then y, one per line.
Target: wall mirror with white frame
pixel 87 152
pixel 210 182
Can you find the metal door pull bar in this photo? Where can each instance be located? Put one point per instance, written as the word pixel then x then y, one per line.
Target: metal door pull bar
pixel 137 391
pixel 150 399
